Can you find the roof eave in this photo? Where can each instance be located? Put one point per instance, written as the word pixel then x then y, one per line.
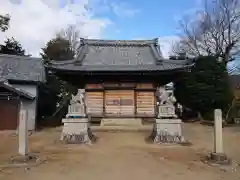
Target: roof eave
pixel 18 91
pixel 62 69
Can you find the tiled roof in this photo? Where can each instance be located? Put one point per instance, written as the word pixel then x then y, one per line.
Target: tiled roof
pixel 119 55
pixel 21 68
pixel 165 65
pixel 119 52
pixel 19 91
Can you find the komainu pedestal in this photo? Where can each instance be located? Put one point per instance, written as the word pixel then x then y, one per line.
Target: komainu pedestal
pixel 76 131
pixel 167 131
pixel 76 127
pixel 167 127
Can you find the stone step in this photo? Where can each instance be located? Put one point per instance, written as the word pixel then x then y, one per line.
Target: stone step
pixel 144 128
pixel 121 122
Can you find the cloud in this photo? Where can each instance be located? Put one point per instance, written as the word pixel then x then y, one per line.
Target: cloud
pixel 191 13
pixel 120 8
pixel 123 9
pixel 34 22
pixel 165 43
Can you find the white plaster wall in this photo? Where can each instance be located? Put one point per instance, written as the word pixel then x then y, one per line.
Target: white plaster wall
pixel 29 105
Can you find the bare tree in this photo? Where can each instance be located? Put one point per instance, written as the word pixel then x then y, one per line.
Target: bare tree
pixel 72 34
pixel 214 31
pixel 4 22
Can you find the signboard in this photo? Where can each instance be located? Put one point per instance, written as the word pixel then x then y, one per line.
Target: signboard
pixel 126 102
pixel 114 102
pixel 120 102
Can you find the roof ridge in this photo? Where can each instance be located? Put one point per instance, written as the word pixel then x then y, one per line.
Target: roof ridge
pixel 118 42
pixel 19 57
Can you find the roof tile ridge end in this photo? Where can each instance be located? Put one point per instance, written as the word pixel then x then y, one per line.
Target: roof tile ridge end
pixel 155 52
pixel 83 50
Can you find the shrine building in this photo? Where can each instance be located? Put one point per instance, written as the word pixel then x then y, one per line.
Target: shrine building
pixel 120 77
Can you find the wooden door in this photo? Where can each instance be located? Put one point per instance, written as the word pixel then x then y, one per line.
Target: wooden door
pixel 127 103
pixel 119 102
pixel 8 114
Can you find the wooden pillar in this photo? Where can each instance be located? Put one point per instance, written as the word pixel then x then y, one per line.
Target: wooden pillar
pixel 104 96
pixel 135 102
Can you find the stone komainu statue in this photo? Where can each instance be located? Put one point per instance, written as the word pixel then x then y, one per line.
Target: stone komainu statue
pixel 78 98
pixel 77 105
pixel 166 97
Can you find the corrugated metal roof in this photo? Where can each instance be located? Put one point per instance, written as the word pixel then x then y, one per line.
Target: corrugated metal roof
pixel 21 68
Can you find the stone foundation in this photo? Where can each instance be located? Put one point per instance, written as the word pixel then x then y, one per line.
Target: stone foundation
pixel 219 158
pixel 167 131
pixel 77 131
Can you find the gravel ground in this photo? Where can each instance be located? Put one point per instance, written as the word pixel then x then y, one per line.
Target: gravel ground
pixel 121 156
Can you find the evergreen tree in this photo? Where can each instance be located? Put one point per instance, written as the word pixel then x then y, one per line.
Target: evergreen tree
pixel 205 88
pixel 13 47
pixel 58 49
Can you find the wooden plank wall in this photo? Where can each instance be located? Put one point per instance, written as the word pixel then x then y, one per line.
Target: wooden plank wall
pixel 112 102
pixel 145 103
pixel 94 102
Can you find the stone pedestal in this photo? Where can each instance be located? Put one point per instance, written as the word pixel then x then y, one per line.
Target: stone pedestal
pixel 167 128
pixel 77 131
pixel 166 111
pixel 76 127
pixel 167 131
pixel 76 111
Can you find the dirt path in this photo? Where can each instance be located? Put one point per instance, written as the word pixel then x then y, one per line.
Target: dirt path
pixel 122 156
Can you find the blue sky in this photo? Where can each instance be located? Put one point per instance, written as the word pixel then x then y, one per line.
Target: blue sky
pixel 149 18
pixel 107 19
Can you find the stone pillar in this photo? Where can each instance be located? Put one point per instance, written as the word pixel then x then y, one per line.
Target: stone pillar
pixel 218 155
pixel 218 140
pixel 23 133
